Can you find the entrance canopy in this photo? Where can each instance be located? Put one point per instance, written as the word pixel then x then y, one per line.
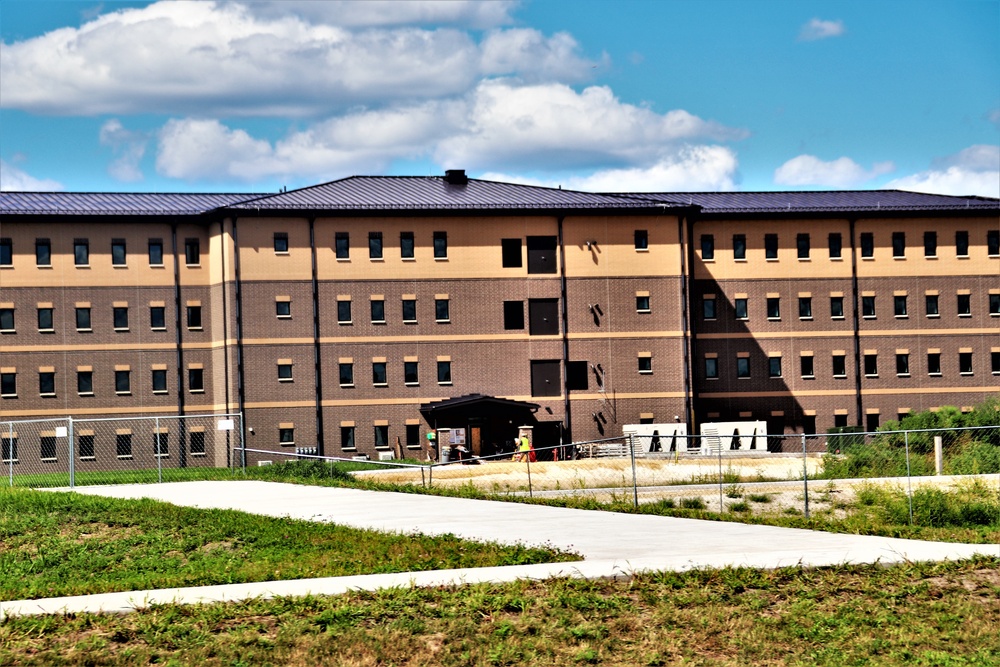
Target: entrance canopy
pixel 461 408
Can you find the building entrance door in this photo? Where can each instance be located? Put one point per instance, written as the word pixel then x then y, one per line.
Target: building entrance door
pixel 476 440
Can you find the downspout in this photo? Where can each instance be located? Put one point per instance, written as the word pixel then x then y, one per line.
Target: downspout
pixel 688 340
pixel 179 338
pixel 567 410
pixel 225 323
pixel 317 356
pixel 238 307
pixel 857 334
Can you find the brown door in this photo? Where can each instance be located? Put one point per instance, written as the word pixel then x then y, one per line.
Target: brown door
pixel 476 440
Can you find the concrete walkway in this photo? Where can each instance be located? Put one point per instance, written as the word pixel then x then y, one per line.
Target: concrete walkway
pixel 612 545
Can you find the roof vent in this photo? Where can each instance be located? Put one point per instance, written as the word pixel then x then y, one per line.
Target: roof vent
pixel 455 176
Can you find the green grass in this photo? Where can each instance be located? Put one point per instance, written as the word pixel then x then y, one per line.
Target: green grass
pixel 910 614
pixel 54 544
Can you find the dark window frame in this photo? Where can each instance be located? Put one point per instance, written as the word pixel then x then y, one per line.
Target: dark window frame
pixel 511 256
pixel 770 246
pixel 867 245
pixel 192 252
pixel 375 247
pixel 708 247
pixel 43 252
pixel 345 373
pixel 739 246
pixel 196 380
pixel 281 243
pixel 444 372
pixel 154 251
pixel 803 246
pixel 119 252
pixel 81 252
pixel 342 245
pixel 835 245
pixel 407 245
pixel 641 239
pixel 440 240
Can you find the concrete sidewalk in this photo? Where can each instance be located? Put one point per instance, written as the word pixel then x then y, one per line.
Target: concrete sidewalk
pixel 612 545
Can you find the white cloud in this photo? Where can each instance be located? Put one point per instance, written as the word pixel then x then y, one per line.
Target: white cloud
pixel 467 13
pixel 128 148
pixel 972 171
pixel 840 173
pixel 12 179
pixel 211 59
pixel 819 29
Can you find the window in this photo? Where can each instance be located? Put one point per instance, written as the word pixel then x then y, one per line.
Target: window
pixel 381 435
pixel 413 435
pixel 281 242
pixel 286 436
pixel 708 308
pixel 840 421
pixel 374 245
pixel 510 249
pixel 739 246
pixel 284 371
pixel 85 446
pixel 83 319
pixel 802 246
pixel 543 317
pixel 871 365
pixel 409 310
pixel 343 311
pixel 43 252
pixel 545 378
pixel 837 307
pixel 378 311
pixel 773 308
pixel 342 245
pixel 965 363
pixel 995 362
pixel 964 305
pixel 283 309
pixel 7 320
pixel 805 308
pixel 8 384
pixel 85 383
pixel 197 443
pixel 8 448
pixel 196 380
pixel 347 437
pixel 44 319
pixel 867 245
pixel 962 244
pixel 513 315
pixel 155 252
pixel 930 244
pixel 161 444
pixel 192 252
pixel 931 305
pixel 770 246
pixel 871 423
pixel 410 374
pixel 740 308
pixel 806 367
pixel 836 245
pixel 47 446
pixel 992 242
pixel 123 382
pixel 379 377
pixel 157 317
pixel 934 363
pixel 159 381
pixel 641 239
pixel 123 445
pixel 346 374
pixel 902 364
pixel 839 366
pixel 81 252
pixel 541 254
pixel 774 367
pixel 642 303
pixel 742 367
pixel 711 368
pixel 444 372
pixel 899 305
pixel 577 375
pixel 120 315
pixel 6 252
pixel 994 305
pixel 194 317
pixel 898 244
pixel 645 364
pixel 442 310
pixel 868 306
pixel 406 245
pixel 440 245
pixel 118 255
pixel 707 246
pixel 808 424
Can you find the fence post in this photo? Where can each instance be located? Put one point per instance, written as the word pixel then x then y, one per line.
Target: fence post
pixel 909 482
pixel 71 452
pixel 718 447
pixel 635 482
pixel 527 460
pixel 156 450
pixel 10 452
pixel 938 454
pixel 805 476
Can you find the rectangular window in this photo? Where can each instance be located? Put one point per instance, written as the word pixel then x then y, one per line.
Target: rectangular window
pixel 192 252
pixel 871 365
pixel 868 306
pixel 7 320
pixel 374 245
pixel 347 437
pixel 284 372
pixel 159 381
pixel 805 308
pixel 994 305
pixel 964 305
pixel 645 364
pixel 806 366
pixel 543 317
pixel 740 309
pixel 47 383
pixel 770 246
pixel 197 443
pixel 120 315
pixel 898 244
pixel 995 363
pixel 346 374
pixel 47 448
pixel 707 246
pixel 840 421
pixel 513 315
pixel 196 380
pixel 871 423
pixel 541 254
pixel 773 308
pixel 379 377
pixel 742 367
pixel 867 245
pixel 123 382
pixel 739 246
pixel 992 242
pixel 410 373
pixel 711 368
pixel 194 317
pixel 442 310
pixel 123 445
pixel 6 252
pixel 444 372
pixel 155 252
pixel 836 245
pixel 930 244
pixel 280 242
pixel 8 448
pixel 406 245
pixel 283 309
pixel 81 252
pixel 83 319
pixel 934 363
pixel 286 436
pixel 965 363
pixel 839 366
pixel 118 254
pixel 43 252
pixel 85 446
pixel 44 320
pixel 899 305
pixel 708 308
pixel 902 364
pixel 545 378
pixel 85 383
pixel 510 250
pixel 343 311
pixel 161 444
pixel 8 384
pixel 409 310
pixel 802 245
pixel 440 245
pixel 577 375
pixel 157 317
pixel 342 245
pixel 378 311
pixel 641 239
pixel 931 305
pixel 642 303
pixel 381 435
pixel 774 367
pixel 412 436
pixel 962 244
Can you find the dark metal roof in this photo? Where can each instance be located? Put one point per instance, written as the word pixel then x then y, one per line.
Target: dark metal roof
pixel 470 400
pixel 435 193
pixel 820 201
pixel 115 203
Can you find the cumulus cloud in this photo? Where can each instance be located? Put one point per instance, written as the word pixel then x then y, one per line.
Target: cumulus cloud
pixel 351 13
pixel 216 59
pixel 972 171
pixel 13 178
pixel 819 29
pixel 840 173
pixel 128 148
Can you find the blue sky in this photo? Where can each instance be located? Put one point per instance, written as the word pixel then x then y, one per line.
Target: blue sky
pixel 632 95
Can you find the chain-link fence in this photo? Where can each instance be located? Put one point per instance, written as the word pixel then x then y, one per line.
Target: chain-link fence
pixel 70 451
